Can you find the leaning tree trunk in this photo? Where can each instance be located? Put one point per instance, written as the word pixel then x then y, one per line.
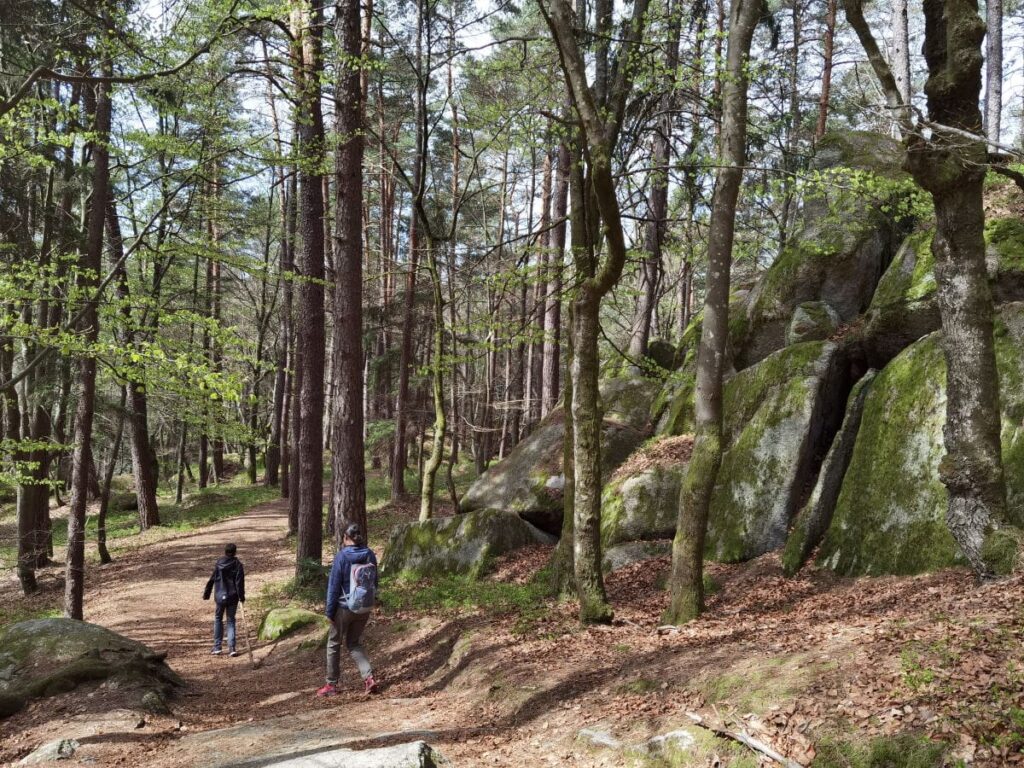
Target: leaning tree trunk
pixel 348 486
pixel 433 463
pixel 74 583
pixel 686 583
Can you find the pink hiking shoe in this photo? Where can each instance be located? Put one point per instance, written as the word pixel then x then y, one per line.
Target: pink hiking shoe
pixel 328 690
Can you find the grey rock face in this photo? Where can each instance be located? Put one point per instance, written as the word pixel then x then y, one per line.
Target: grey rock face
pixel 529 481
pixel 458 544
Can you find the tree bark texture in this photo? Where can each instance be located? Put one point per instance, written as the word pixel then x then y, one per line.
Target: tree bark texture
pixel 348 469
pixel 310 338
pixel 143 460
pixel 74 583
pixel 994 69
pixel 686 583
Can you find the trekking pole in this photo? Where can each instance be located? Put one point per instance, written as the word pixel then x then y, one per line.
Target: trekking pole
pixel 248 645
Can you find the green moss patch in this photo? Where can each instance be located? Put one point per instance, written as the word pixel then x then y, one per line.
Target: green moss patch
pixel 46 657
pixel 900 751
pixel 280 622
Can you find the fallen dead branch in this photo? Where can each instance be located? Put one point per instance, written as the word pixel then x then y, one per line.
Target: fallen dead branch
pixel 746 740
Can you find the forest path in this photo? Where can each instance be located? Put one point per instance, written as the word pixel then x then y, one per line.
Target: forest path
pixel 229 712
pixel 153 594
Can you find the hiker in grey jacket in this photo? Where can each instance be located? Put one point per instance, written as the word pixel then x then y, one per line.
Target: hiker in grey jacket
pixel 227 584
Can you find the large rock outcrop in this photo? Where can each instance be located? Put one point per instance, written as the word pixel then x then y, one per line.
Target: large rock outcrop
pixel 904 307
pixel 463 543
pixel 805 428
pixel 46 657
pixel 890 514
pixel 779 416
pixel 529 481
pixel 838 255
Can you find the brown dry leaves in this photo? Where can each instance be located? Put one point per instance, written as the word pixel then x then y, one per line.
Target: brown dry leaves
pixel 663 452
pixel 931 654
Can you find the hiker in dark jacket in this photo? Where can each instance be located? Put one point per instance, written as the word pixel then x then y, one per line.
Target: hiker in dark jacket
pixel 228 587
pixel 344 623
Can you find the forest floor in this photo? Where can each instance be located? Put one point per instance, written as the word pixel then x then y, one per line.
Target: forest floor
pixel 828 671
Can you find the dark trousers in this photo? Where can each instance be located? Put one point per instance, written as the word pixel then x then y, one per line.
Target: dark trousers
pixel 218 624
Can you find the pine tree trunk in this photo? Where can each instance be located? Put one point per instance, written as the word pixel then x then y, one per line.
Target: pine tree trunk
pixel 138 410
pixel 289 412
pixel 398 458
pixel 826 69
pixel 349 473
pixel 308 24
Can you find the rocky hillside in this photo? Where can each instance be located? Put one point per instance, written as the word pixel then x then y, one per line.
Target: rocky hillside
pixel 834 404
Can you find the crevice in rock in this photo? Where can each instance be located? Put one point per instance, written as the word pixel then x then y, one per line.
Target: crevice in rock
pixel 827 417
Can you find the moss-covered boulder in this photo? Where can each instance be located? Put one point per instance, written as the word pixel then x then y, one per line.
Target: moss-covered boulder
pixel 642 506
pixel 865 150
pixel 529 481
pixel 779 416
pixel 280 622
pixel 662 354
pixel 890 514
pixel 674 405
pixel 846 240
pixel 464 543
pixel 46 657
pixel 904 307
pixel 641 499
pixel 812 321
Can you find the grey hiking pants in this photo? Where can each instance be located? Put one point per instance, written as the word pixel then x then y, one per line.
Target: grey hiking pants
pixel 349 626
